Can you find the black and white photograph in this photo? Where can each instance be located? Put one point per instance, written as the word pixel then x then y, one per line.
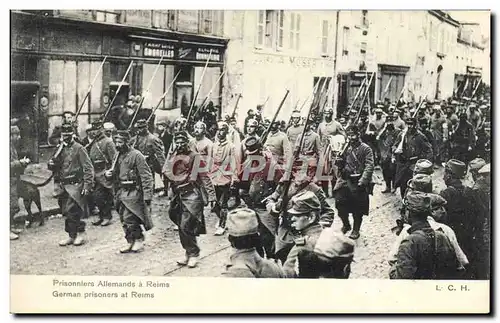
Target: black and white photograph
pixel 281 144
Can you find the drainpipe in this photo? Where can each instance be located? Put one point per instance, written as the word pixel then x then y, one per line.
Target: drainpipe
pixel 335 87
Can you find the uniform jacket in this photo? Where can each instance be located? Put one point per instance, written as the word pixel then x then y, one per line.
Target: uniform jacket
pixel 102 152
pixel 152 149
pixel 464 136
pixel 422 257
pixel 358 160
pixel 306 241
pixel 293 132
pixel 132 166
pixel 326 129
pixel 437 126
pixel 278 144
pixel 311 144
pixel 399 124
pixel 247 263
pixel 74 161
pixel 223 167
pixel 415 147
pixel 55 137
pixel 386 142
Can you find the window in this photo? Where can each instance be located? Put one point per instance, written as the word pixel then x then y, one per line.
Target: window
pixel 260 28
pixel 345 40
pixel 270 29
pixel 107 15
pixel 281 18
pixel 442 41
pixel 164 19
pixel 364 19
pixel 363 51
pixel 433 35
pixel 294 31
pixel 211 22
pixel 270 24
pixel 324 38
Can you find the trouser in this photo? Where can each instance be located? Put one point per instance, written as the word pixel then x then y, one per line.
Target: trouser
pixel 131 224
pixel 187 235
pixel 267 238
pixel 73 213
pixel 222 195
pixel 388 171
pixel 357 203
pixel 357 220
pixel 14 202
pixel 103 198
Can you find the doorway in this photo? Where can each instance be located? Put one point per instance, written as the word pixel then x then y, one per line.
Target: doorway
pixel 438 82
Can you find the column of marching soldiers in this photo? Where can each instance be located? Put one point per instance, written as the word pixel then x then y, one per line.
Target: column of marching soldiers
pixel 269 183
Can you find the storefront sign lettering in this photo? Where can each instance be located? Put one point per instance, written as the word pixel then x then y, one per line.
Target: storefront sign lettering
pixel 159 50
pixel 189 52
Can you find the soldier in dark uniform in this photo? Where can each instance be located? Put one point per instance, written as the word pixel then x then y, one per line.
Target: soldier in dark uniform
pixel 309 151
pixel 150 146
pixel 76 178
pixel 164 134
pixel 134 191
pixel 102 152
pixel 354 183
pixel 67 118
pixel 245 261
pixel 305 215
pixel 410 146
pixel 463 140
pixel 190 197
pixel 17 167
pixel 386 141
pixel 424 128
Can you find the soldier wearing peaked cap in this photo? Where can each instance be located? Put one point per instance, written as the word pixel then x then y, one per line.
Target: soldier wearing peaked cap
pixel 475 165
pixel 386 141
pixel 102 151
pixel 295 129
pixel 331 258
pixel 133 183
pixel 305 214
pixel 75 172
pixel 150 146
pixel 109 129
pixel 245 262
pixel 190 197
pixel 463 140
pixel 423 166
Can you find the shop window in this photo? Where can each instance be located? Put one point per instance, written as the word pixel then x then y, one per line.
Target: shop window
pixel 294 31
pixel 23 69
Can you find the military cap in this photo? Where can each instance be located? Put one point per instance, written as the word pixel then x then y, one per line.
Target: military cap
pixel 252 123
pixel 378 110
pixel 476 164
pixel 454 102
pixel 67 128
pixel 436 200
pixel 97 124
pixel 242 222
pixel 485 170
pixel 108 126
pixel 252 144
pixel 436 107
pixel 331 244
pixel 14 130
pixel 353 111
pixel 200 124
pixel 68 112
pixel 161 122
pixel 222 124
pixel 259 107
pixel 421 182
pixel 327 110
pixel 423 166
pixel 456 168
pixel 181 135
pixel 473 105
pixel 354 129
pixel 141 124
pixel 305 202
pixel 417 201
pixel 123 134
pixel 380 105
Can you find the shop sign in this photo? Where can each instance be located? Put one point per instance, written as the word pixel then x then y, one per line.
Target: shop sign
pixel 199 53
pixel 474 70
pixel 166 50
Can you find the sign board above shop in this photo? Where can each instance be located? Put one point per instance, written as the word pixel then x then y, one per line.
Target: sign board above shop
pixel 183 51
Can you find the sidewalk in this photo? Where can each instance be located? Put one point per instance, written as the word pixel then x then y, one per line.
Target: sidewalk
pixel 49 202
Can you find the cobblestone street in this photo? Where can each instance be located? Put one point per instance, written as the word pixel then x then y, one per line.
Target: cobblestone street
pixel 37 251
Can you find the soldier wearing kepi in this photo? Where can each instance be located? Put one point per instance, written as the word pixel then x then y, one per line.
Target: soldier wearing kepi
pixel 76 173
pixel 150 146
pixel 102 152
pixel 354 185
pixel 186 209
pixel 223 174
pixel 134 191
pixel 386 141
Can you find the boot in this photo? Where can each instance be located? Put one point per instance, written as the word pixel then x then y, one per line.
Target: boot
pixel 13 236
pixel 80 239
pixel 66 242
pixel 97 222
pixel 220 231
pixel 184 261
pixel 192 262
pixel 358 219
pixel 346 226
pixel 387 187
pixel 127 248
pixel 105 222
pixel 138 245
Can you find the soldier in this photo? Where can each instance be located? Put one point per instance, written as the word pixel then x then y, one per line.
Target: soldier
pixel 234 134
pixel 354 185
pixel 203 146
pixel 133 181
pixel 68 117
pixel 463 139
pixel 474 116
pixel 399 124
pixel 437 128
pixel 74 169
pixel 17 167
pixel 474 166
pixel 223 174
pixel 250 115
pixel 295 129
pixel 102 152
pixel 150 146
pixel 305 221
pixel 256 184
pixel 186 209
pixel 285 234
pixel 109 129
pixel 410 146
pixel 164 134
pixel 386 141
pixel 277 143
pixel 89 138
pixel 244 238
pixel 309 151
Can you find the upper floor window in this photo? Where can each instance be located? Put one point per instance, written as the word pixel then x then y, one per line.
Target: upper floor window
pixel 364 18
pixel 110 15
pixel 345 41
pixel 294 31
pixel 211 22
pixel 324 37
pixel 270 26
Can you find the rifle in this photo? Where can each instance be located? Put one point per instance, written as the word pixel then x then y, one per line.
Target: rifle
pixel 199 86
pixel 386 89
pixel 266 132
pixel 361 88
pixel 236 106
pixel 477 87
pixel 117 91
pixel 205 100
pixel 143 97
pixel 162 97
